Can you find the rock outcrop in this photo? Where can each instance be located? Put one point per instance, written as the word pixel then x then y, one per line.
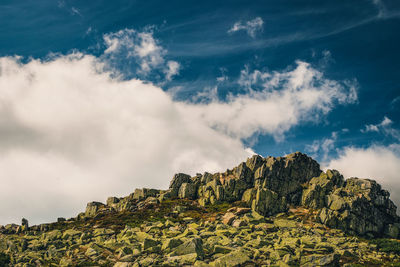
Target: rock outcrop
pixel 270 185
pixel 282 211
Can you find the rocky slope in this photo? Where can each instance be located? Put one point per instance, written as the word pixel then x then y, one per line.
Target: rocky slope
pixel 265 212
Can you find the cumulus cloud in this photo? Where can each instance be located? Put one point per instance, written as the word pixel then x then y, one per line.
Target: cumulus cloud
pixel 276 101
pixel 72 132
pixel 141 50
pixel 251 26
pixel 381 163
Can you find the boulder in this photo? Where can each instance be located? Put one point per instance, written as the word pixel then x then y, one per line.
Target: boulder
pixel 61 219
pixel 194 245
pixel 188 190
pixel 171 243
pixel 360 207
pixel 331 260
pixel 149 243
pixel 267 202
pixel 228 218
pixel 316 194
pixel 24 222
pixel 239 223
pixel 286 175
pixel 254 162
pixel 236 258
pixel 177 181
pixel 141 194
pixel 92 208
pixel 111 201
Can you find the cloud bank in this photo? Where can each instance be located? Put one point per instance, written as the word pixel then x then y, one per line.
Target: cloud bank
pixel 72 131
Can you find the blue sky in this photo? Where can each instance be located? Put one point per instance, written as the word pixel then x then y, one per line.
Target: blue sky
pixel 272 77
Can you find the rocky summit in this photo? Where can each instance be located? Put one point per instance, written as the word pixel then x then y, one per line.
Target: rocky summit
pixel 270 211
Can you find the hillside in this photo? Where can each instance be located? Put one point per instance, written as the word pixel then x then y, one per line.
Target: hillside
pixel 270 211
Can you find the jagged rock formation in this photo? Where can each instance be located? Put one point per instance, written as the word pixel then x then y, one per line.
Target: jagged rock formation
pixel 265 211
pixel 270 185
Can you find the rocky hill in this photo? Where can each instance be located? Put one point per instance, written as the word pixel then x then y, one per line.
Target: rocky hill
pixel 271 211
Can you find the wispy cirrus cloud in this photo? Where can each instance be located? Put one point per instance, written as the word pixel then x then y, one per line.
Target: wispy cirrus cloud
pixel 384 127
pixel 324 146
pixel 251 27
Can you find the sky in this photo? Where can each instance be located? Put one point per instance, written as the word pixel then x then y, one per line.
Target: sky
pixel 98 98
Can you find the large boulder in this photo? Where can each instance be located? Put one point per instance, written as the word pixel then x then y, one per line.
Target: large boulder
pixel 286 175
pixel 316 194
pixel 360 207
pixel 236 258
pixel 267 202
pixel 188 190
pixel 177 181
pixel 194 245
pixel 144 193
pixel 92 208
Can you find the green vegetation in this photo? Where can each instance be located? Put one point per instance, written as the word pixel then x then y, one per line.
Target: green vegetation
pixel 387 245
pixel 4 259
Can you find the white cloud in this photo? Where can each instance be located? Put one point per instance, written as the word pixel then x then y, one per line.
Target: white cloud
pixel 71 133
pixel 75 11
pixel 285 99
pixel 209 94
pixel 380 163
pixel 172 69
pixel 385 127
pixel 251 26
pixel 325 146
pixel 223 77
pixel 143 49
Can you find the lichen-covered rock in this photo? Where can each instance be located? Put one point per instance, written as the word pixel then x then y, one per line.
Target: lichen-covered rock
pixel 112 201
pixel 177 181
pixel 194 245
pixel 285 175
pixel 282 177
pixel 93 207
pixel 144 193
pixel 228 218
pixel 235 258
pixel 360 207
pixel 253 222
pixel 267 202
pixel 171 243
pixel 316 195
pixel 187 190
pixel 330 260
